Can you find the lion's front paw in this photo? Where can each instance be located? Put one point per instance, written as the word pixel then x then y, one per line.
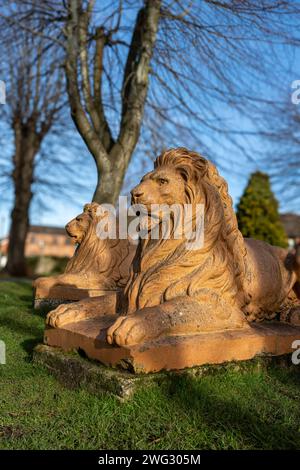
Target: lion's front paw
pixel 127 331
pixel 63 314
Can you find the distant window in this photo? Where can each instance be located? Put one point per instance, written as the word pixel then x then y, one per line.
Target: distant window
pixel 55 241
pixel 32 239
pixel 68 241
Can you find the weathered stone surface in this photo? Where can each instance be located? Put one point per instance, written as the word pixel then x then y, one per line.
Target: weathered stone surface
pixel 73 371
pixel 50 298
pixel 97 265
pixel 174 352
pixel 180 287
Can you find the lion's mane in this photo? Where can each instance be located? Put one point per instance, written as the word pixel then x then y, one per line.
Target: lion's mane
pixel 103 259
pixel 166 269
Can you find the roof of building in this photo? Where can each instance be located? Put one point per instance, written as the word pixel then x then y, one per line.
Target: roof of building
pixel 291 223
pixel 43 229
pixel 46 229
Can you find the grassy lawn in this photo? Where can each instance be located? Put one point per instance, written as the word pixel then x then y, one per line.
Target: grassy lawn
pixel 227 410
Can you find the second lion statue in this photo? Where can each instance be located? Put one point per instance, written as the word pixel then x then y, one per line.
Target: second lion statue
pixel 225 284
pixel 97 263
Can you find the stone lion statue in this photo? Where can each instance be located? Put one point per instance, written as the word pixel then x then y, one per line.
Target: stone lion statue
pixel 224 284
pixel 97 263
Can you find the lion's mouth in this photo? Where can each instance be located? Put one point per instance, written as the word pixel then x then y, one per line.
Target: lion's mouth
pixel 75 238
pixel 141 201
pixel 145 206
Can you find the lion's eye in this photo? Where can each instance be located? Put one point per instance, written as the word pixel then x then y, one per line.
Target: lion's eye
pixel 162 181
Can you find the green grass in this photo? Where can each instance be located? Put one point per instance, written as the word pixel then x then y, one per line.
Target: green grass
pixel 226 410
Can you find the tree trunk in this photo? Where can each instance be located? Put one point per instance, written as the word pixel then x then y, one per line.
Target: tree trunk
pixel 27 144
pixel 110 182
pixel 111 156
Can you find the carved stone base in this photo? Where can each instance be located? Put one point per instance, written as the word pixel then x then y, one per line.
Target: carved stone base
pixel 74 371
pixel 46 298
pixel 174 352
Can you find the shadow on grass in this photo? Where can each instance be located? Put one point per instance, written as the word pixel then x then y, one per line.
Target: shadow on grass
pixel 244 422
pixel 20 327
pixel 28 298
pixel 29 344
pixel 41 312
pixel 18 293
pixel 287 379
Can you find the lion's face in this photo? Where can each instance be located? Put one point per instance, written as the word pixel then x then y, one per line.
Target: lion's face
pixel 78 227
pixel 164 185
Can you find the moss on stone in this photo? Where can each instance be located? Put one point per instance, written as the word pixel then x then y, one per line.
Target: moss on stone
pixel 74 371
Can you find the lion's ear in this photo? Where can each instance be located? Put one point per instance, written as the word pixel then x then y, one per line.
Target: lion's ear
pixel 94 207
pixel 87 207
pixel 101 212
pixel 91 208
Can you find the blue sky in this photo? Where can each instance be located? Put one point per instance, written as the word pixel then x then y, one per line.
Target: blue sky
pixel 76 168
pixel 59 210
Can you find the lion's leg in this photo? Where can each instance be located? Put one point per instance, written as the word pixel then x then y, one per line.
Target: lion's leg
pixel 87 308
pixel 80 281
pixel 68 279
pixel 45 282
pixel 175 317
pixel 61 280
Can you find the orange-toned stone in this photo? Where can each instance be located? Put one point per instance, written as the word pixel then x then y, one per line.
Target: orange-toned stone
pixel 174 352
pixel 56 295
pixel 177 287
pixel 98 265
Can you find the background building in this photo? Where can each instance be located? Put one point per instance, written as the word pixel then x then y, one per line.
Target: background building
pixel 291 223
pixel 42 241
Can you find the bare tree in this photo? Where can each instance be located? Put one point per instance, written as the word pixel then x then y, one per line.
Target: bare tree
pixel 111 155
pixel 34 83
pixel 281 136
pixel 182 64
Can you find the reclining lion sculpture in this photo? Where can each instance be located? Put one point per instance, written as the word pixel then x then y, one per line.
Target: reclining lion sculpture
pixel 225 284
pixel 97 263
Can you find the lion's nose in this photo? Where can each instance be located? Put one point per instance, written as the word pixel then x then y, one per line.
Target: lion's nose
pixel 137 192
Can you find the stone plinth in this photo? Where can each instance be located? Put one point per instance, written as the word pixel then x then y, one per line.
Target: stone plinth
pixel 174 352
pixel 56 295
pixel 74 371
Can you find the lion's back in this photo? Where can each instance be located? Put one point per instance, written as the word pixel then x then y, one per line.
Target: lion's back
pixel 267 279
